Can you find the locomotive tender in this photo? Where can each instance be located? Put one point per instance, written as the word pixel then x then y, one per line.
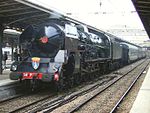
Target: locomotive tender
pixel 64 51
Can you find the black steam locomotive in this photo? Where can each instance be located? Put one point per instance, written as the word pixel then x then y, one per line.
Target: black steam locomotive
pixel 63 51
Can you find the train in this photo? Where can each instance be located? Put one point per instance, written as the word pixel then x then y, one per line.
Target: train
pixel 65 52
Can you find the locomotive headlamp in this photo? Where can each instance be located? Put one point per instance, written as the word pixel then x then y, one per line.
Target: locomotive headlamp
pixel 14 67
pixel 56 76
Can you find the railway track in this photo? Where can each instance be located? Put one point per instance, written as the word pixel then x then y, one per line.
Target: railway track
pixel 52 105
pixel 11 97
pixel 128 90
pixel 53 101
pixel 114 108
pixel 107 99
pixel 11 105
pixel 30 104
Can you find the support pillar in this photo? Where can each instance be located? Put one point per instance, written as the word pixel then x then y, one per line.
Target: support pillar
pixel 1 42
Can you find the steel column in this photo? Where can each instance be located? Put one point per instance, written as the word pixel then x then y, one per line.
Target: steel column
pixel 1 42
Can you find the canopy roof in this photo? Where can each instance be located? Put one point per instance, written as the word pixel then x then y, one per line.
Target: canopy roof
pixel 143 9
pixel 20 13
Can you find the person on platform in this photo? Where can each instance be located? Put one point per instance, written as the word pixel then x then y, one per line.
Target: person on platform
pixel 16 55
pixel 5 57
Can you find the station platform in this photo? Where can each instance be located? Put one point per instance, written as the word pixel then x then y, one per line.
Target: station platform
pixel 4 78
pixel 142 102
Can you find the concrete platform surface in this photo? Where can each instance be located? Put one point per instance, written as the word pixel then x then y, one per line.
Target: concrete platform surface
pixel 5 74
pixel 4 78
pixel 142 102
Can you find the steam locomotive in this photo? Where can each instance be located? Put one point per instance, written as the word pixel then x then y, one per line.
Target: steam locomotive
pixel 62 51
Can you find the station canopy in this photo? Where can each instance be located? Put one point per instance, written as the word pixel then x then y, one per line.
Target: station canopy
pixel 143 9
pixel 20 13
